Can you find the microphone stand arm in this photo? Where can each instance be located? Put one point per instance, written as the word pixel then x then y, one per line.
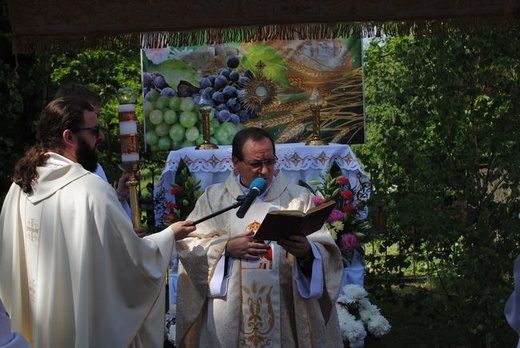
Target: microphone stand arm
pixel 238 203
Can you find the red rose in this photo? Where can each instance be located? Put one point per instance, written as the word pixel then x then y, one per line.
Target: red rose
pixel 348 207
pixel 170 206
pixel 343 181
pixel 175 190
pixel 347 194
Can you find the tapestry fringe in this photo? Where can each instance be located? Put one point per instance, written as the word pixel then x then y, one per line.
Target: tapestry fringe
pixel 115 41
pixel 327 31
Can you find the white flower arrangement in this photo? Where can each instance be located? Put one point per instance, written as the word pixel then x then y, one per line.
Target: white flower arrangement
pixel 358 317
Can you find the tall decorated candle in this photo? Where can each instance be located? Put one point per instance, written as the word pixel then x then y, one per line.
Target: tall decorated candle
pixel 128 125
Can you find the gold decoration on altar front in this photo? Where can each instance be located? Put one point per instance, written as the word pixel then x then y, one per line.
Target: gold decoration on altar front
pixel 316 102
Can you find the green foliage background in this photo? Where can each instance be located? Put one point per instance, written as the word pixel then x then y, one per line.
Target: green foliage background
pixel 443 157
pixel 442 152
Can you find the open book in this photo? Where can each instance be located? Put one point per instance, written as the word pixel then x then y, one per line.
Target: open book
pixel 280 224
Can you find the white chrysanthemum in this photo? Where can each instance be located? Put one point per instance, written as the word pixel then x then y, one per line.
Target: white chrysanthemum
pixel 367 310
pixel 352 293
pixel 157 55
pixel 356 332
pixel 352 330
pixel 344 317
pixel 379 326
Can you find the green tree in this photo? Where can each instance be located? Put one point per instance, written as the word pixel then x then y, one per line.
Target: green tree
pixel 443 154
pixel 29 81
pixel 21 97
pixel 105 72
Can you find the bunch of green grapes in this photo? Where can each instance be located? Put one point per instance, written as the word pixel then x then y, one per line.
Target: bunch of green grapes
pixel 174 122
pixel 173 119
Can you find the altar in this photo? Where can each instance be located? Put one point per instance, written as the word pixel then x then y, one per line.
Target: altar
pixel 299 162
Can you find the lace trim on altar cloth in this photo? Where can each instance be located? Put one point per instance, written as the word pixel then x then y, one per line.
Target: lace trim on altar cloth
pixel 289 159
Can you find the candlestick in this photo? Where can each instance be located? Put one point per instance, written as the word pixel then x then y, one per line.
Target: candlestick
pixel 128 125
pixel 130 148
pixel 205 106
pixel 133 181
pixel 315 104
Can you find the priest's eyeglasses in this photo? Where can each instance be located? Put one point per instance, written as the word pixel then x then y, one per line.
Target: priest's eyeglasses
pixel 260 164
pixel 93 130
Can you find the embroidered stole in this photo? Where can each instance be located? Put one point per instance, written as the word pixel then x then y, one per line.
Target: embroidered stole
pixel 259 322
pixel 31 218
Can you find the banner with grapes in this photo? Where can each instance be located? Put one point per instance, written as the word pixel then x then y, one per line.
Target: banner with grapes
pixel 265 84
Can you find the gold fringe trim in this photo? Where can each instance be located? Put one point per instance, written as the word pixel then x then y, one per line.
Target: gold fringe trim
pixel 327 31
pixel 117 41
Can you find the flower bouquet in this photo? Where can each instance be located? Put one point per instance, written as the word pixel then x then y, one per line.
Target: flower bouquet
pixel 347 222
pixel 185 191
pixel 358 317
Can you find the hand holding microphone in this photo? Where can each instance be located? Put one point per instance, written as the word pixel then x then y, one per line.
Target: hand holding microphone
pixel 256 188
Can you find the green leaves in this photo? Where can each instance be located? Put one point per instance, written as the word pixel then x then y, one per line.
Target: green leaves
pixel 175 71
pixel 442 153
pixel 275 67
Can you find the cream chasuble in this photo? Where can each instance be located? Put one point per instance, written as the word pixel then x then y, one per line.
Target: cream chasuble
pixel 72 271
pixel 262 306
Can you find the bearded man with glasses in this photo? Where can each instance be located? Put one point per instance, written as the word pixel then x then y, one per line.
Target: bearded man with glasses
pixel 72 271
pixel 235 291
pixel 85 93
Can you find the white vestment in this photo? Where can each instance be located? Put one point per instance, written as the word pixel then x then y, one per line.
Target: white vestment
pixel 72 271
pixel 262 305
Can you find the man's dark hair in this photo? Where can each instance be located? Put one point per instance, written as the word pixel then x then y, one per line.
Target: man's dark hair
pixel 60 114
pixel 251 133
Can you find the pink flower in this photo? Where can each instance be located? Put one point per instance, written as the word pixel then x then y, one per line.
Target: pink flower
pixel 348 242
pixel 335 215
pixel 317 200
pixel 343 181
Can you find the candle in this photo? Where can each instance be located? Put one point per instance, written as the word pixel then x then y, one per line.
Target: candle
pixel 128 125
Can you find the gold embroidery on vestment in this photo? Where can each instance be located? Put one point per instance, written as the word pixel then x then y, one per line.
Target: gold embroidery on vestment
pixel 258 316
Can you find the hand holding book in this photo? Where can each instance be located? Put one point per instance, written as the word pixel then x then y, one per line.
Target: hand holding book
pixel 280 224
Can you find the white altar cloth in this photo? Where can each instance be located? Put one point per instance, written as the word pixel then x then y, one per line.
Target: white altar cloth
pixel 297 160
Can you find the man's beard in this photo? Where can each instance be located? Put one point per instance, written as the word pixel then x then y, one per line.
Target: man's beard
pixel 86 155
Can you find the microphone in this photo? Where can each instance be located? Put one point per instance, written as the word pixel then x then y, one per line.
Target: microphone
pixel 256 188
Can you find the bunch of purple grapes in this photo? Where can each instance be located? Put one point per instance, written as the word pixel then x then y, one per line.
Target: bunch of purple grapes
pixel 155 81
pixel 223 92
